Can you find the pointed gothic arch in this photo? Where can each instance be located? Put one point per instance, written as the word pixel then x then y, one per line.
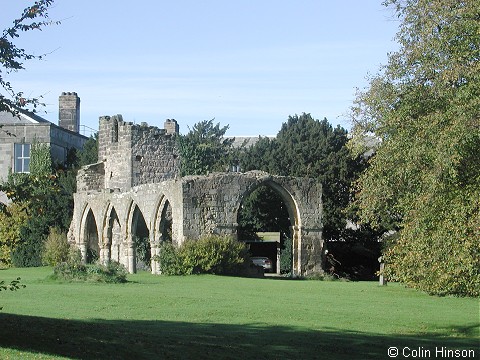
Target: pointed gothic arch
pixel 113 239
pixel 162 229
pixel 138 239
pixel 89 237
pixel 293 213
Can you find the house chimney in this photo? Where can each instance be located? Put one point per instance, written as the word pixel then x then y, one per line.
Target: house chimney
pixel 69 111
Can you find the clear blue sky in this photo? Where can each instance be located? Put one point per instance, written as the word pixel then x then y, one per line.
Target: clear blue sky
pixel 247 63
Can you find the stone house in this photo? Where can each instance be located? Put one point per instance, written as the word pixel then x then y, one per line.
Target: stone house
pixel 19 132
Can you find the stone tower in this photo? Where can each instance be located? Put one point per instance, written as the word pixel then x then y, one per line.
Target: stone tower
pixel 69 111
pixel 171 126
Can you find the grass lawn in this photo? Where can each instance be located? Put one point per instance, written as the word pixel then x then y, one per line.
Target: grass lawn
pixel 213 317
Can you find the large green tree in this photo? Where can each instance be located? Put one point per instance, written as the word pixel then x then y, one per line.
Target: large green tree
pixel 424 179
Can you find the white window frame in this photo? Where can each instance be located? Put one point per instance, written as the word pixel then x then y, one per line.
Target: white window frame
pixel 19 154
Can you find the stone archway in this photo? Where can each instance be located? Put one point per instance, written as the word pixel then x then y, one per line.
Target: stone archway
pixel 197 206
pixel 162 223
pixel 294 224
pixel 211 204
pixel 138 239
pixel 137 162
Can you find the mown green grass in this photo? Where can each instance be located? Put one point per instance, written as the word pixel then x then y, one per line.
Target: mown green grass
pixel 213 317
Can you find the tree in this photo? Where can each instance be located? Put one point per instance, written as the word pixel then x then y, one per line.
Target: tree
pixel 89 153
pixel 57 249
pixel 41 160
pixel 12 58
pixel 12 219
pixel 205 149
pixel 311 148
pixel 260 156
pixel 46 197
pixel 424 179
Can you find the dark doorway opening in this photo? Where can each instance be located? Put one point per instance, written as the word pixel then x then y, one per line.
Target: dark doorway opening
pixel 93 249
pixel 265 225
pixel 141 239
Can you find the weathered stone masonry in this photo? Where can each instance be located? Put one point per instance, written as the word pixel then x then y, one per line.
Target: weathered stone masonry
pixel 135 189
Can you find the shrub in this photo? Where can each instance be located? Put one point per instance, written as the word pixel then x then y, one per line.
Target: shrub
pixel 12 219
pixel 74 270
pixel 168 259
pixel 321 276
pixel 208 255
pixel 28 253
pixel 56 248
pixel 92 256
pixel 112 272
pixel 68 271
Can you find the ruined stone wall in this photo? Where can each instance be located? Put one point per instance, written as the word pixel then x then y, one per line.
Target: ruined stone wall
pixel 135 154
pixel 138 176
pixel 114 149
pixel 155 155
pixel 112 215
pixel 211 204
pixel 91 177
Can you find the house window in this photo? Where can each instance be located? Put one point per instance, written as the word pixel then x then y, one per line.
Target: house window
pixel 22 158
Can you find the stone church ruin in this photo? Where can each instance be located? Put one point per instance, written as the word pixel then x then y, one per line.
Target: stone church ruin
pixel 135 191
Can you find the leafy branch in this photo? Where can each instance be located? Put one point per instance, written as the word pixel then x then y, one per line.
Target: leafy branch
pixel 14 285
pixel 12 58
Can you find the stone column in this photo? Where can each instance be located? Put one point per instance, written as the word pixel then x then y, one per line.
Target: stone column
pixel 154 252
pixel 278 258
pixel 296 251
pixel 83 250
pixel 312 246
pixel 106 253
pixel 381 280
pixel 132 269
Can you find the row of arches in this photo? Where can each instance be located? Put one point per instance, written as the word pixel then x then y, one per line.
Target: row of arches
pixel 123 236
pixel 120 230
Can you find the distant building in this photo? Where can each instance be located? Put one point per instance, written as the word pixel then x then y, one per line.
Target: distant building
pixel 19 132
pixel 247 141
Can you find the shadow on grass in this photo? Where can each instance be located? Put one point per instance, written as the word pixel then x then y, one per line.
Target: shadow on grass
pixel 102 339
